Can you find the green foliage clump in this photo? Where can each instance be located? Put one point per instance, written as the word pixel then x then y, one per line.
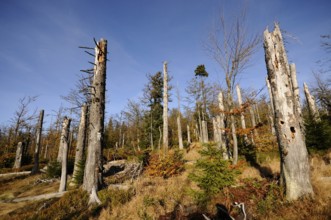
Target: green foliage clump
pixel 79 176
pixel 212 173
pixel 165 166
pixel 201 71
pixel 53 169
pixel 318 133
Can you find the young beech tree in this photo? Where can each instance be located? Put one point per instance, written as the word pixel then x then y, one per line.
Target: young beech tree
pixel 93 165
pixel 232 47
pixel 295 170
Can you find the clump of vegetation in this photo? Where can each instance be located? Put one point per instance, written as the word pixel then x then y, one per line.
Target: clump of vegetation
pixel 115 197
pixel 79 176
pixel 318 133
pixel 212 173
pixel 7 160
pixel 53 169
pixel 165 166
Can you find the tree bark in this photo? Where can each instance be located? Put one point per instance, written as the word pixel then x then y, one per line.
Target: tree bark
pixel 165 107
pixel 188 134
pixel 295 170
pixel 180 137
pixel 271 108
pixel 18 158
pixel 81 140
pixel 311 104
pixel 93 165
pixel 64 144
pixel 242 117
pixel 204 132
pixel 35 168
pixel 221 128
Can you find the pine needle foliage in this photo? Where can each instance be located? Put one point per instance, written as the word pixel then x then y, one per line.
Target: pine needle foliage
pixel 211 173
pixel 79 176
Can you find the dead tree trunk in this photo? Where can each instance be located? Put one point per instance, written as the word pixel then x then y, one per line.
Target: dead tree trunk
pixel 242 117
pixel 188 134
pixel 253 119
pixel 271 108
pixel 204 132
pixel 18 158
pixel 311 104
pixel 93 165
pixel 35 168
pixel 80 143
pixel 295 174
pixel 64 144
pixel 221 128
pixel 165 107
pixel 179 126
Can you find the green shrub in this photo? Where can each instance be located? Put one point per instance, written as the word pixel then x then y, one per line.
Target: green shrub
pixel 79 176
pixel 318 134
pixel 53 169
pixel 212 174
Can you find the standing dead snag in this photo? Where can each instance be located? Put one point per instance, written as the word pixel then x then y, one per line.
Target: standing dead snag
pixel 81 137
pixel 64 144
pixel 18 158
pixel 221 128
pixel 295 174
pixel 35 168
pixel 242 117
pixel 93 165
pixel 311 104
pixel 165 107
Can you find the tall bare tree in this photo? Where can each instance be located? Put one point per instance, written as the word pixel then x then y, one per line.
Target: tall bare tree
pixel 35 168
pixel 93 165
pixel 81 140
pixel 64 144
pixel 295 170
pixel 165 107
pixel 232 47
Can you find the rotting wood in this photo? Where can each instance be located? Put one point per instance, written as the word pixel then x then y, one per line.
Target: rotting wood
pixel 295 170
pixel 35 168
pixel 65 145
pixel 311 104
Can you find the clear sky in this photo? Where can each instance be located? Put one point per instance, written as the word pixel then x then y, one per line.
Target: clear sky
pixel 39 41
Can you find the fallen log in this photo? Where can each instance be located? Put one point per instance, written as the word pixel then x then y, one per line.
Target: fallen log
pixel 40 197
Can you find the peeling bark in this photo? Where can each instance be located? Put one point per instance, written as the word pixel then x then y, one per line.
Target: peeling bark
pixel 295 170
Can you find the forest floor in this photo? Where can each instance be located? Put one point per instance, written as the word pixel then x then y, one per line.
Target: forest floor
pixel 159 198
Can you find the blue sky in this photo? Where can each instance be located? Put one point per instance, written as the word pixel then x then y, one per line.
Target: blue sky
pixel 39 41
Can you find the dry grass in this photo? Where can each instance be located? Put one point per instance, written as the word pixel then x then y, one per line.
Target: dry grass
pixel 22 187
pixel 155 196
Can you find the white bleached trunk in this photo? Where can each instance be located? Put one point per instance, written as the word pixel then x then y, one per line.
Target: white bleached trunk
pixel 271 108
pixel 242 117
pixel 204 132
pixel 180 137
pixel 221 128
pixel 18 158
pixel 165 107
pixel 64 142
pixel 295 170
pixel 311 104
pixel 188 134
